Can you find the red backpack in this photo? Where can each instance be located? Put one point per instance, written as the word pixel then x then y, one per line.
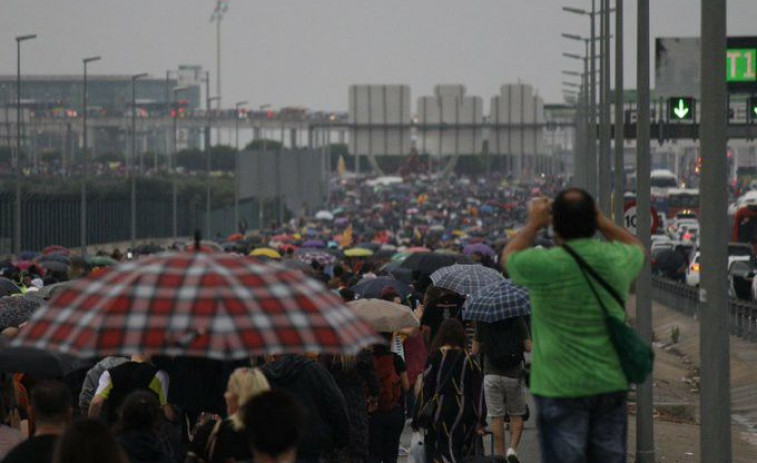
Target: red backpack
pixel 390 386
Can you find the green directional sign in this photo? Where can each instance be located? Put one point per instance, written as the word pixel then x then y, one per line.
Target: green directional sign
pixel 741 65
pixel 681 108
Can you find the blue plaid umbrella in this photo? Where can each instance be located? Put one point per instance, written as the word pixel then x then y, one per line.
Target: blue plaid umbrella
pixel 465 279
pixel 497 302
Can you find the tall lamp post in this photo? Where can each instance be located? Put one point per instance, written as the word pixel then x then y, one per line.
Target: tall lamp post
pixel 17 157
pixel 237 105
pixel 619 171
pixel 133 158
pixel 584 152
pixel 85 158
pixel 603 181
pixel 217 16
pixel 172 164
pixel 207 168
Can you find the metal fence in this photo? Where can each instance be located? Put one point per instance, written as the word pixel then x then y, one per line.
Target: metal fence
pixel 685 299
pixel 55 219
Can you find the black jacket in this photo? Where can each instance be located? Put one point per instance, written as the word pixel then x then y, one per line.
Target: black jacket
pixel 325 423
pixel 145 447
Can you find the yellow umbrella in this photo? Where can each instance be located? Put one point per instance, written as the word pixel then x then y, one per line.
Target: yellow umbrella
pixel 266 252
pixel 358 252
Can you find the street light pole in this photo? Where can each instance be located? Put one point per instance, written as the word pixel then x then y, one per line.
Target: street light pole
pixel 207 168
pixel 644 397
pixel 715 399
pixel 17 232
pixel 238 105
pixel 172 162
pixel 620 176
pixel 85 160
pixel 133 159
pixel 604 138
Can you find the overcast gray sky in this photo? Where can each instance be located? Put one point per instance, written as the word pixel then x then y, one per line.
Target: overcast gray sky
pixel 307 52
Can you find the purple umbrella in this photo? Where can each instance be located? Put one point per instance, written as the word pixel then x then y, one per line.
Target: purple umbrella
pixel 480 248
pixel 319 256
pixel 317 244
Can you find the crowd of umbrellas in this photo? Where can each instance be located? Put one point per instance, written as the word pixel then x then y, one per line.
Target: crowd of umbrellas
pixel 264 293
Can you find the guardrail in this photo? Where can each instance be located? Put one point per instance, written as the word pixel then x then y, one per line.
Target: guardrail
pixel 685 299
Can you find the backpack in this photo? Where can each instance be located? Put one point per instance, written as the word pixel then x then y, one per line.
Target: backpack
pixel 504 344
pixel 390 387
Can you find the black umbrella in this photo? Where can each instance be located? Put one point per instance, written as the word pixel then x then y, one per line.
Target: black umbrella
pixel 15 310
pixel 49 291
pixel 371 287
pixel 7 287
pixel 146 249
pixel 54 258
pixel 39 362
pixel 55 266
pixel 426 263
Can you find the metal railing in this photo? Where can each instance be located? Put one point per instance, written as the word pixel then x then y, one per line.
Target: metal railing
pixel 685 299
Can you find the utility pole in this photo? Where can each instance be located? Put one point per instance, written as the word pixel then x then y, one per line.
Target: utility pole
pixel 85 160
pixel 133 160
pixel 208 169
pixel 17 231
pixel 715 398
pixel 221 7
pixel 238 105
pixel 644 413
pixel 604 138
pixel 592 164
pixel 620 176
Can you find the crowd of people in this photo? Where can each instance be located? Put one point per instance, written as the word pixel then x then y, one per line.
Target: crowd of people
pixel 450 380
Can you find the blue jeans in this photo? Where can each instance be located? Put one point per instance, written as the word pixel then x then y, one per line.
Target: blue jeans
pixel 590 429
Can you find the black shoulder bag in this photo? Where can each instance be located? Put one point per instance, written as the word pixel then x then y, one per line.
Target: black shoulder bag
pixel 636 357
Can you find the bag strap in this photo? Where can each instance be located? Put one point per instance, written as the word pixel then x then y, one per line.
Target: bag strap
pixel 586 268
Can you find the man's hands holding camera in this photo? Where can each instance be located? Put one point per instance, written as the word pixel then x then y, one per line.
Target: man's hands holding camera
pixel 540 213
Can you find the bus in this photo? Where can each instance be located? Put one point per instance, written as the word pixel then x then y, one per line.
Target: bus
pixel 683 203
pixel 661 181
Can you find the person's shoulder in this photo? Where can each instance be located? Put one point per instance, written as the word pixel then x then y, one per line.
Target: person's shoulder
pixel 33 450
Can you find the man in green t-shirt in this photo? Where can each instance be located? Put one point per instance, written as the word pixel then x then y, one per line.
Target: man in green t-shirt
pixel 576 377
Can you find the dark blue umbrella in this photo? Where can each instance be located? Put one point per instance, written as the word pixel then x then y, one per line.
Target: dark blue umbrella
pixel 480 248
pixel 497 302
pixel 8 288
pixel 27 255
pixel 371 287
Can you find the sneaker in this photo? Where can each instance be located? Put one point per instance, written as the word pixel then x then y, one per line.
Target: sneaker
pixel 403 452
pixel 512 456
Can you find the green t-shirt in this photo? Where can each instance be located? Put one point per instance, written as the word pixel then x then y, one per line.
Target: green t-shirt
pixel 572 352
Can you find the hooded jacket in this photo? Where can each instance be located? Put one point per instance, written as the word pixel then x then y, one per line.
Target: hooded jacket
pixel 324 410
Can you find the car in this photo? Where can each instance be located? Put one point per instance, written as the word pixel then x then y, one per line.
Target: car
pixel 692 271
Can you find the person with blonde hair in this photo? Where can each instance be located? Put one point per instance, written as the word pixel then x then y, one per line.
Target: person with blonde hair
pixel 226 441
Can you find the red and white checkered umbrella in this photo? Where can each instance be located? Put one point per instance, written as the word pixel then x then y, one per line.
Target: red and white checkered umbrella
pixel 218 306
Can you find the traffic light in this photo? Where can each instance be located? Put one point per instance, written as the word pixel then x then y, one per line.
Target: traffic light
pixel 751 109
pixel 681 108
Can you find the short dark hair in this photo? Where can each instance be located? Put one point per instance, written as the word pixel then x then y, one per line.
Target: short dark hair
pixel 88 441
pixel 451 333
pixel 574 214
pixel 272 422
pixel 347 294
pixel 140 411
pixel 51 402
